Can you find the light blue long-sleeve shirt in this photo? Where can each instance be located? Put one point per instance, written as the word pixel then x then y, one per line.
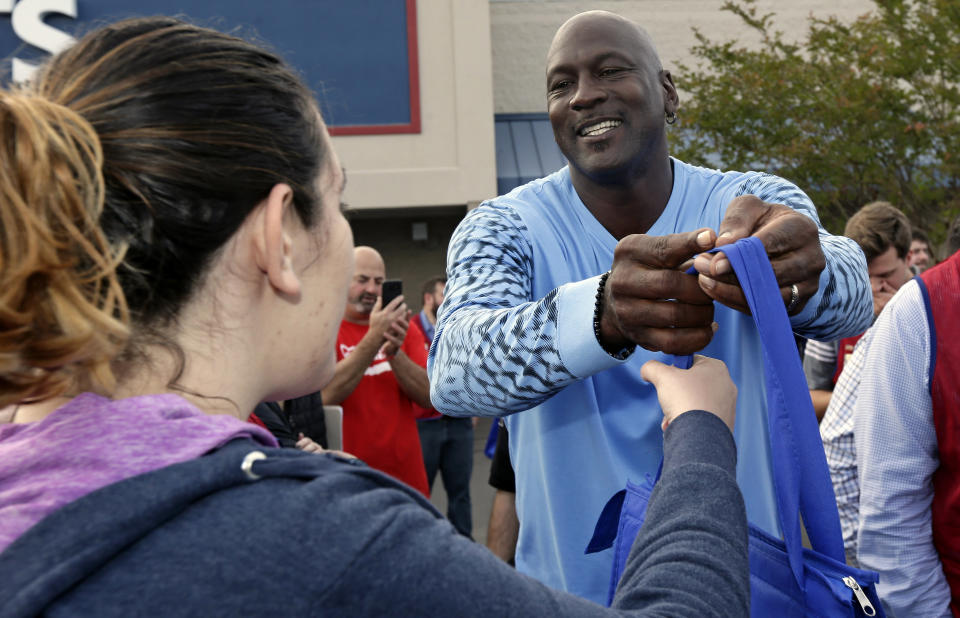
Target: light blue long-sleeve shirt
pixel 515 333
pixel 896 448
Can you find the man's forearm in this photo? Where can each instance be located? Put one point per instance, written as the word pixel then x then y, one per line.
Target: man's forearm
pixel 496 350
pixel 821 401
pixel 349 371
pixel 843 305
pixel 488 362
pixel 488 321
pixel 412 379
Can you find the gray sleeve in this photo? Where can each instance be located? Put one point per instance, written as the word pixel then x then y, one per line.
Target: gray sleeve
pixel 687 560
pixel 819 364
pixel 690 557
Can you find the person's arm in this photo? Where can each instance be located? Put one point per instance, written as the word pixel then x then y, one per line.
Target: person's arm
pixel 495 349
pixel 412 378
pixel 831 275
pixel 819 365
pixel 503 529
pixel 349 370
pixel 686 561
pixel 836 434
pixel 896 457
pixel 714 579
pixel 699 459
pixel 408 360
pixel 504 526
pixel 821 401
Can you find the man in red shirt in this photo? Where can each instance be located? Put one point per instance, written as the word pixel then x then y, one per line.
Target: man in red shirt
pixel 380 375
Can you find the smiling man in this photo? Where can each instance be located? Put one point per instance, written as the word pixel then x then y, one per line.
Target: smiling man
pixel 559 291
pixel 379 376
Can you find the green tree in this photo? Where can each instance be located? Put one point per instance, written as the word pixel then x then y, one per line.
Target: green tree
pixel 853 112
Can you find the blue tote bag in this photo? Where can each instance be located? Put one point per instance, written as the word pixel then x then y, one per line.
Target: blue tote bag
pixel 786 579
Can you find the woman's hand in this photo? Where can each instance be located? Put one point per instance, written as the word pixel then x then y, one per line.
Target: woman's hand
pixel 705 386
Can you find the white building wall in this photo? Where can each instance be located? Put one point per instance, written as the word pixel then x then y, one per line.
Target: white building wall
pixel 451 161
pixel 521 31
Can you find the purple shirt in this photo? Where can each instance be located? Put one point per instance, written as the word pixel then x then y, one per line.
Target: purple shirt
pixel 92 442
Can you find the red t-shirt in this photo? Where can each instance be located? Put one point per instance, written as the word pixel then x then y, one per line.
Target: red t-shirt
pixel 416 330
pixel 379 420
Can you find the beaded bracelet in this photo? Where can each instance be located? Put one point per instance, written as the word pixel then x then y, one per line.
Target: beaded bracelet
pixel 597 309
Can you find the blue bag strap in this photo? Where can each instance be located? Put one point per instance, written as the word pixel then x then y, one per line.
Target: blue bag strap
pixel 491 446
pixel 800 473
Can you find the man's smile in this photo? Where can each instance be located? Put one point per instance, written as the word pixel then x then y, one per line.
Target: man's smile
pixel 594 129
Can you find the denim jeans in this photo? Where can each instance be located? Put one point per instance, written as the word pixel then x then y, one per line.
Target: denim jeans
pixel 447 444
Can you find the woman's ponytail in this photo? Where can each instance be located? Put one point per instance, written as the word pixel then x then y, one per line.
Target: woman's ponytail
pixel 63 317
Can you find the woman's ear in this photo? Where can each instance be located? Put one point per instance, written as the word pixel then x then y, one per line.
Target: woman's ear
pixel 274 243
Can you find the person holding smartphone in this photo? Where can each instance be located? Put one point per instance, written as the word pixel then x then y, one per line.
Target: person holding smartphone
pixel 380 375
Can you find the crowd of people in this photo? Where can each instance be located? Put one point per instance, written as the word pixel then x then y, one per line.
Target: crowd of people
pixel 180 297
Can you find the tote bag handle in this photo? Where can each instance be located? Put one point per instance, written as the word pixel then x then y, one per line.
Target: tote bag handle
pixel 800 474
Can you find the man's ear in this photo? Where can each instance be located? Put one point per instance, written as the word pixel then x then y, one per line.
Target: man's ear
pixel 273 241
pixel 671 99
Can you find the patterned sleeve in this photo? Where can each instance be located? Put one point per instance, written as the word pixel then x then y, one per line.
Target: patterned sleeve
pixel 496 349
pixel 843 306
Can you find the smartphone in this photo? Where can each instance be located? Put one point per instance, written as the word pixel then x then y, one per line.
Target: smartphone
pixel 391 289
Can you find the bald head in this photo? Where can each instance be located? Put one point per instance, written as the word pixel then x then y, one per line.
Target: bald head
pixel 367 284
pixel 608 99
pixel 368 258
pixel 602 24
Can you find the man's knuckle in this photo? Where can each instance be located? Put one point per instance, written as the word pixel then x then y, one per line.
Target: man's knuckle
pixel 626 247
pixel 615 284
pixel 656 282
pixel 661 250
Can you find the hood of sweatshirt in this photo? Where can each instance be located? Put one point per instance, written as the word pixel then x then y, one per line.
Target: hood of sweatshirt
pixel 93 442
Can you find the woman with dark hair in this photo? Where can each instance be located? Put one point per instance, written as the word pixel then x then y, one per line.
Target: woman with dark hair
pixel 172 252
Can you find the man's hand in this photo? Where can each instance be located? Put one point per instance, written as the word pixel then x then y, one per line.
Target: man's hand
pixel 649 301
pixel 705 386
pixel 792 242
pixel 881 297
pixel 396 334
pixel 384 319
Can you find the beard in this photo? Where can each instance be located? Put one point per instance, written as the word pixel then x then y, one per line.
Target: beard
pixel 364 303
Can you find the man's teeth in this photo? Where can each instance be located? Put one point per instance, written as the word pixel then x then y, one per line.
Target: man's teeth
pixel 600 128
